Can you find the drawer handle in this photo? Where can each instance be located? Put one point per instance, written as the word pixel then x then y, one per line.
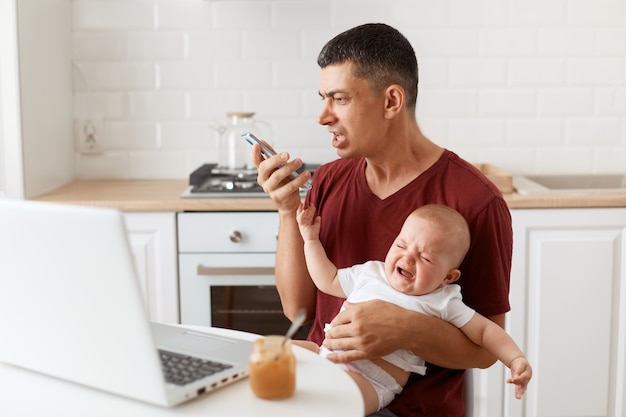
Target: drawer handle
pixel 254 270
pixel 235 236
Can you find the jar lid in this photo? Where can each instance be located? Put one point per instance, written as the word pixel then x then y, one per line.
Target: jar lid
pixel 240 113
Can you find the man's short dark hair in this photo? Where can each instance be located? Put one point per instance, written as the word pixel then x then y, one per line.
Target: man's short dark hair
pixel 380 54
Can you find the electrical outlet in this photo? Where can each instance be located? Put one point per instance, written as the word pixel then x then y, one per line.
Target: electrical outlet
pixel 90 133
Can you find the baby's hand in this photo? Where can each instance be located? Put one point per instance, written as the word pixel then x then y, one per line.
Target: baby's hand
pixel 521 372
pixel 308 223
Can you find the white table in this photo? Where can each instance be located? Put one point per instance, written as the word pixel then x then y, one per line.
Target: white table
pixel 322 389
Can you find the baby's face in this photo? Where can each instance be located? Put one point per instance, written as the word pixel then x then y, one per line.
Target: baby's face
pixel 419 260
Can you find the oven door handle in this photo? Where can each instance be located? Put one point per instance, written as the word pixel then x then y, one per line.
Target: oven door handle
pixel 253 270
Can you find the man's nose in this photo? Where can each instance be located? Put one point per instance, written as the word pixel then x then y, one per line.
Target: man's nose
pixel 326 116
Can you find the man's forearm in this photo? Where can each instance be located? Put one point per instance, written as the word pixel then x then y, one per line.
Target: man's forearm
pixel 443 344
pixel 295 287
pixel 376 328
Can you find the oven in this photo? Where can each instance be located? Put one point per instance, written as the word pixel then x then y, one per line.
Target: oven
pixel 226 271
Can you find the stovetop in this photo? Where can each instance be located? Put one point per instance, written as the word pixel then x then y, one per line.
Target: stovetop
pixel 211 181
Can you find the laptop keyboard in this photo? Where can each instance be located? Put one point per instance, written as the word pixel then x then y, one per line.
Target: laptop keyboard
pixel 182 369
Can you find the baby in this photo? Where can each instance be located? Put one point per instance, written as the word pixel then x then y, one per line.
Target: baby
pixel 418 274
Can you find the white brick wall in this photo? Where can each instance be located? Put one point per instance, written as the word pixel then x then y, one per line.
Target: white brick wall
pixel 531 85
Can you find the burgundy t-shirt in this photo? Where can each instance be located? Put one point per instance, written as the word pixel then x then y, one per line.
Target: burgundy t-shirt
pixel 357 226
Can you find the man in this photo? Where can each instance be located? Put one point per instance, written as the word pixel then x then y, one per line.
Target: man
pixel 387 168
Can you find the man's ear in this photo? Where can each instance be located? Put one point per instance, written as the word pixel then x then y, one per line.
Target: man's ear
pixel 452 276
pixel 394 100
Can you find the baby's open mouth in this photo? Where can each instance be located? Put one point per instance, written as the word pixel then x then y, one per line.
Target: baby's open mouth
pixel 404 272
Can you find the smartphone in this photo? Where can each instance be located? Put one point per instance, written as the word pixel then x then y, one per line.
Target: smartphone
pixel 268 152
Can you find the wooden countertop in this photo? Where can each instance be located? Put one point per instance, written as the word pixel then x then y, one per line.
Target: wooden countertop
pixel 164 195
pixel 147 195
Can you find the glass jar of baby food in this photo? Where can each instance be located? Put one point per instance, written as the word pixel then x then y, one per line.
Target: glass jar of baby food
pixel 272 368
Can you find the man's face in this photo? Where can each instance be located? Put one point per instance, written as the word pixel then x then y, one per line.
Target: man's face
pixel 351 111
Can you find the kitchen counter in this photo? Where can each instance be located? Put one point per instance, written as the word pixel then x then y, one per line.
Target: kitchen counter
pixel 148 195
pixel 164 195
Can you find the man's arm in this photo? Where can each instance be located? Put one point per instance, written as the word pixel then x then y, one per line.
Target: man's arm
pixel 293 283
pixel 381 327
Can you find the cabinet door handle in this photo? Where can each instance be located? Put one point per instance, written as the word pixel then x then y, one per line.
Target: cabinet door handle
pixel 220 270
pixel 235 236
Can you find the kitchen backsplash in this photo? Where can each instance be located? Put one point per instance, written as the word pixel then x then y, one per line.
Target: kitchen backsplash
pixel 531 85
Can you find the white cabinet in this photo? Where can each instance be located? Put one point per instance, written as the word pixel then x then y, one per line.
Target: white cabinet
pixel 488 391
pixel 568 311
pixel 152 237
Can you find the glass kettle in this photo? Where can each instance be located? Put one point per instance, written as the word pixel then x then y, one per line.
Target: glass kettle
pixel 233 152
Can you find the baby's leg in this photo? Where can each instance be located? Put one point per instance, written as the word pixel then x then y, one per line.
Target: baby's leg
pixel 370 396
pixel 378 387
pixel 307 345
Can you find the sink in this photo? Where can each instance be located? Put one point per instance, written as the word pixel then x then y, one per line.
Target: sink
pixel 570 184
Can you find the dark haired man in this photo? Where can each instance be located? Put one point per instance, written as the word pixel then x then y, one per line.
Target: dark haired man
pixel 387 168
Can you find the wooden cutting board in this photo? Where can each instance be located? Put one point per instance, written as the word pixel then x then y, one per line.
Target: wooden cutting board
pixel 501 178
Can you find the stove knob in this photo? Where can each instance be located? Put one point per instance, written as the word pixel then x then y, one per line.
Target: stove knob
pixel 235 236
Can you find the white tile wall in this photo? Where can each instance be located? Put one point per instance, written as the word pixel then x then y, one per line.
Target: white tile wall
pixel 531 85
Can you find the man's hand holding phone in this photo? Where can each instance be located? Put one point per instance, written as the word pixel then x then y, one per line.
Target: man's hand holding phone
pixel 278 176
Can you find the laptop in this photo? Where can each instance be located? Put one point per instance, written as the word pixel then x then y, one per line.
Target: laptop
pixel 71 307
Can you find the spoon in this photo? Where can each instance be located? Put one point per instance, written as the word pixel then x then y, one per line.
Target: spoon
pixel 295 325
